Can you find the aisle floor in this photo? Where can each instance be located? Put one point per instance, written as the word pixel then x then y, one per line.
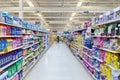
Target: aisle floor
pixel 58 63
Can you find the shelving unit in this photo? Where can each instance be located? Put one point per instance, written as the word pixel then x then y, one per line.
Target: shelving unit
pixel 100 46
pixel 21 48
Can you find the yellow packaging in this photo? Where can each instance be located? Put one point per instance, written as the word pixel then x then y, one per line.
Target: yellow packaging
pixel 102 66
pixel 116 61
pixel 108 73
pixel 9 44
pixel 108 57
pixel 112 59
pixel 0 30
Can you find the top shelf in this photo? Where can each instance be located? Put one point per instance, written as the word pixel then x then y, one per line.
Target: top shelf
pixel 11 25
pixel 108 22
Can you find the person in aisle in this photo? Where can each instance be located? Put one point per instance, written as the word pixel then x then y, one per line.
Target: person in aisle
pixel 58 38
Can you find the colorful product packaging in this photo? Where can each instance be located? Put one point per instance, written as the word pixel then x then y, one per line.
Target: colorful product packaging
pixel 15 77
pixel 108 58
pixel 9 44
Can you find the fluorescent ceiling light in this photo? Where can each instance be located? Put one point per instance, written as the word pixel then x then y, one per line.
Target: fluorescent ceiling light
pixel 79 4
pixel 39 15
pixel 71 18
pixel 30 3
pixel 73 14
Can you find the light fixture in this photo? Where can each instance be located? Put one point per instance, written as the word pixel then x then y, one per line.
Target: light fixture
pixel 39 14
pixel 30 3
pixel 73 14
pixel 79 3
pixel 71 18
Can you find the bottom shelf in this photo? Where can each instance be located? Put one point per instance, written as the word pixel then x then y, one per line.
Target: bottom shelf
pixel 28 70
pixel 86 68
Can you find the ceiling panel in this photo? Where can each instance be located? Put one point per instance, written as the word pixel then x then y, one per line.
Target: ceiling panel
pixel 57 13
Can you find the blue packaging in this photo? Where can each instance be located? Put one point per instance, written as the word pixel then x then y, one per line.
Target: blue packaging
pixel 88 43
pixel 5 59
pixel 19 53
pixel 1 46
pixel 24 24
pixel 8 18
pixel 4 45
pixel 18 31
pixel 16 21
pixel 97 75
pixel 20 75
pixel 20 22
pixel 14 56
pixel 13 31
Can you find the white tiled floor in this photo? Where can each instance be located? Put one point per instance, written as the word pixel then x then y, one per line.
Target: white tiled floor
pixel 58 63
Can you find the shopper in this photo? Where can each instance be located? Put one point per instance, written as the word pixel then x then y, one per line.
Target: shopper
pixel 58 38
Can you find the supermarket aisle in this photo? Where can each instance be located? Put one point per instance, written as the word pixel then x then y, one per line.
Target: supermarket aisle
pixel 58 64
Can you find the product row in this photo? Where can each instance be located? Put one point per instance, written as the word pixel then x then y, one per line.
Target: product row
pixel 109 17
pixel 8 19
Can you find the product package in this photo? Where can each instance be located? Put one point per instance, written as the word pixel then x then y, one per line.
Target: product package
pixel 8 18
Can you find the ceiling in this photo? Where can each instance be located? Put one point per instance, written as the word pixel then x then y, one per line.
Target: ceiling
pixel 58 14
